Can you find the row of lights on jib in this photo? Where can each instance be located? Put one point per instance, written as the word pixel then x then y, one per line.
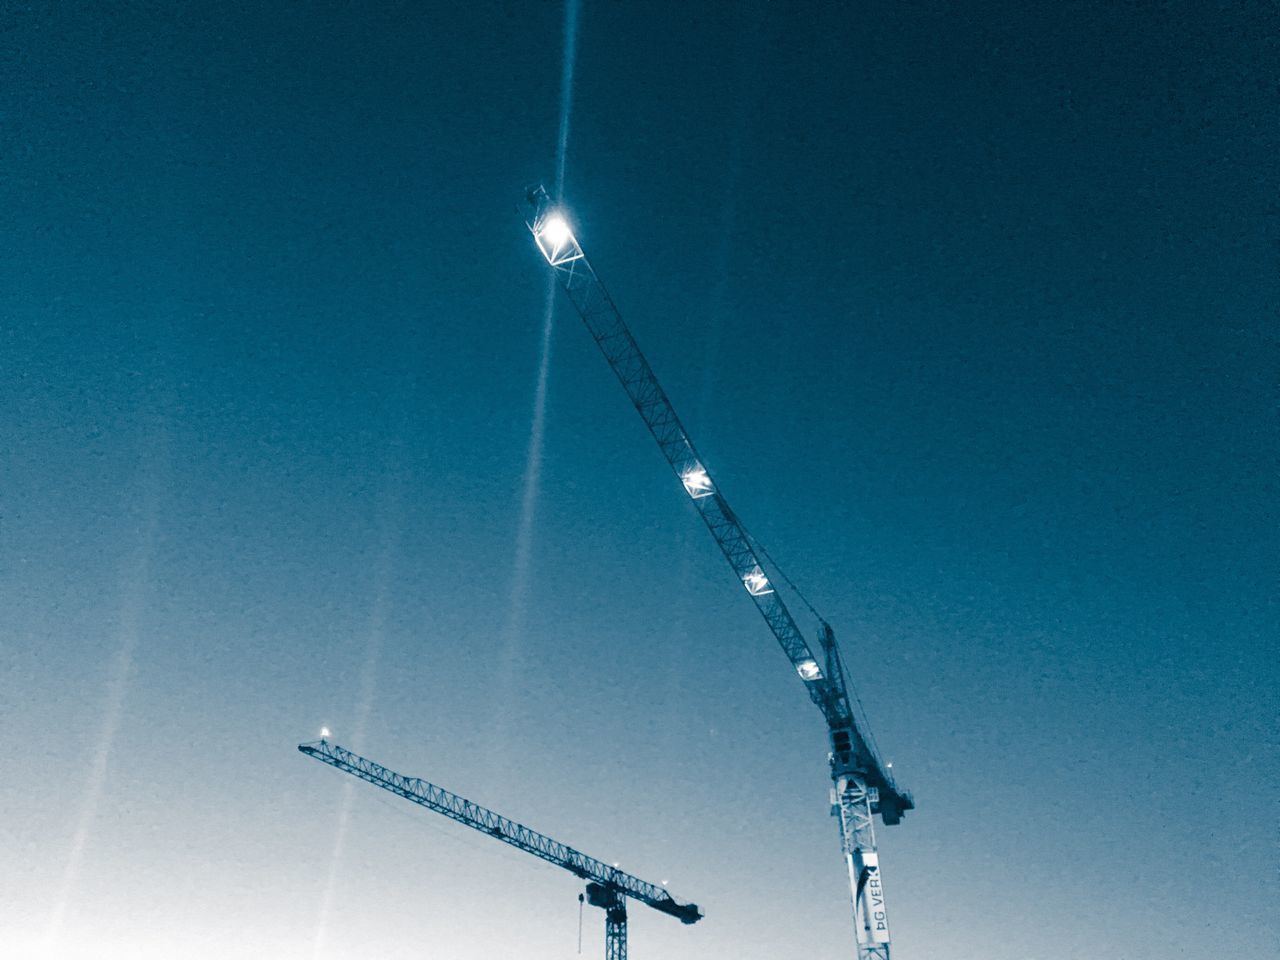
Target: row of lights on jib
pixel 556 240
pixel 697 483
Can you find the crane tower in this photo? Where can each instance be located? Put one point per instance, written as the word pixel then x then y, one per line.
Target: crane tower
pixel 607 887
pixel 863 784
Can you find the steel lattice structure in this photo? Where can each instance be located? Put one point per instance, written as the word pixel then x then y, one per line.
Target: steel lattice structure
pixel 608 887
pixel 863 783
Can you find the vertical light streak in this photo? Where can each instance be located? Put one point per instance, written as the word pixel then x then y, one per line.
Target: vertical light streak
pixel 532 481
pixel 566 90
pixel 134 581
pixel 751 51
pixel 518 599
pixel 117 685
pixel 390 512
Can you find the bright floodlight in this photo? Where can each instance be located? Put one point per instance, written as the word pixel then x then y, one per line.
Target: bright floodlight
pixel 556 240
pixel 757 583
pixel 324 733
pixel 696 482
pixel 809 669
pixel 555 231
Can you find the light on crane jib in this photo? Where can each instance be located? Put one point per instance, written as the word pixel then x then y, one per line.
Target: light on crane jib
pixel 696 482
pixel 757 583
pixel 555 231
pixel 809 670
pixel 556 240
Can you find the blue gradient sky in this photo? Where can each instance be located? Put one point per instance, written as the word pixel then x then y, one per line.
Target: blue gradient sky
pixel 972 315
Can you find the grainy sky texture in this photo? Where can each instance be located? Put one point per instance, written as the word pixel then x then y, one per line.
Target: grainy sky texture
pixel 970 307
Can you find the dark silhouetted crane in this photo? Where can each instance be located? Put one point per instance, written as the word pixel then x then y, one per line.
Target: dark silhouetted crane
pixel 863 783
pixel 607 886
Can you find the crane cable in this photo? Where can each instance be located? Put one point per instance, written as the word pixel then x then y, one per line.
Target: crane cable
pixel 580 899
pixel 851 693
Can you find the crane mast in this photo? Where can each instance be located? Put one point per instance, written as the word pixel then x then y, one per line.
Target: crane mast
pixel 607 886
pixel 863 785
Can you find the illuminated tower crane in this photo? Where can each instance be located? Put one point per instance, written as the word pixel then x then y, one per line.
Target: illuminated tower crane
pixel 607 887
pixel 863 784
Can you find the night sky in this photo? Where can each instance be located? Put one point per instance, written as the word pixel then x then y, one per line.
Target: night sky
pixel 971 309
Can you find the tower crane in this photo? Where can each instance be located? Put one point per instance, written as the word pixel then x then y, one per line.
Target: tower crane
pixel 863 784
pixel 607 886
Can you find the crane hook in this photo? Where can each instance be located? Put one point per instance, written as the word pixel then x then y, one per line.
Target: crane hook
pixel 581 898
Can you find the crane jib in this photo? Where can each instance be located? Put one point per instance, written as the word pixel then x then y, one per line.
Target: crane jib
pixel 502 828
pixel 824 682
